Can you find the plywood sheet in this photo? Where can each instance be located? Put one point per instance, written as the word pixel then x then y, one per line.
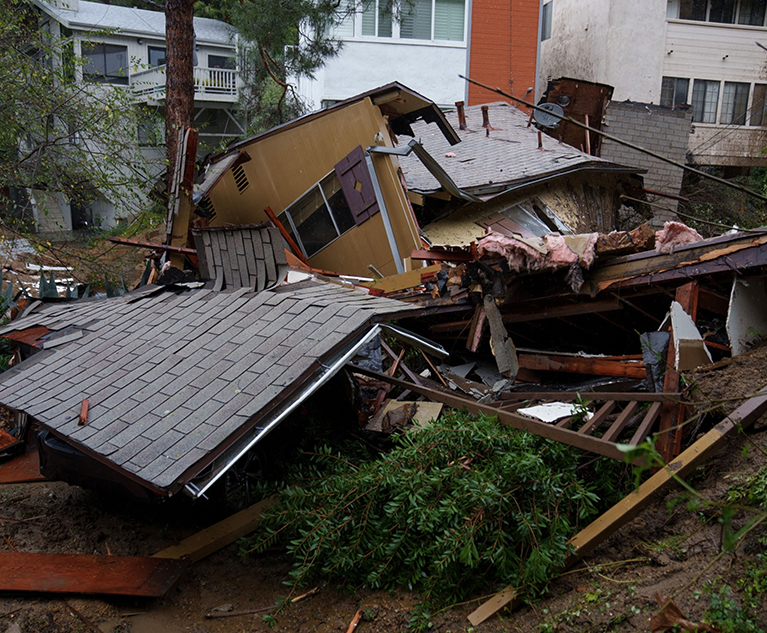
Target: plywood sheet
pixel 89 574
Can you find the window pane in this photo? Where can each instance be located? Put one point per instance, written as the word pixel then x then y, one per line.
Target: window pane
pixel 752 12
pixel 546 21
pixel 692 9
pixel 674 92
pixel 369 19
pixel 339 207
pixel 448 20
pixel 757 109
pixel 156 56
pixel 220 61
pixel 722 11
pixel 734 103
pixel 384 21
pixel 105 63
pixel 416 21
pixel 345 28
pixel 313 222
pixel 705 96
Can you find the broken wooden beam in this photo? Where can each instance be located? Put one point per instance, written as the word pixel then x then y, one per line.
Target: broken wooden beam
pixel 219 535
pixel 556 312
pixel 157 247
pixel 443 256
pixel 89 574
pixel 523 423
pixel 583 365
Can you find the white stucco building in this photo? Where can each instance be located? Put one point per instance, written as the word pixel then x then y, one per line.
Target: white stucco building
pixel 123 46
pixel 426 50
pixel 701 54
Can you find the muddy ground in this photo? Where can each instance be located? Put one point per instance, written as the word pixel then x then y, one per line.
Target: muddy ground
pixel 671 551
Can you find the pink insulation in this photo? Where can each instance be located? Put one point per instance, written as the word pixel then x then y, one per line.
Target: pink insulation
pixel 559 254
pixel 675 234
pixel 520 256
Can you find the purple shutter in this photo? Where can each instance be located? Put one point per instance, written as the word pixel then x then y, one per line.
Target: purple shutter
pixel 353 174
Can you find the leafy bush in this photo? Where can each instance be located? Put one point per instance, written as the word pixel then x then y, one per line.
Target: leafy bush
pixel 462 504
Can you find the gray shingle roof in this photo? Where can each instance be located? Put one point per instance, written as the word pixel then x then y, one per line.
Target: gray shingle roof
pixel 129 20
pixel 509 156
pixel 170 375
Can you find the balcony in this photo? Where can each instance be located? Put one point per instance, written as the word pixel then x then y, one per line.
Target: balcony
pixel 210 84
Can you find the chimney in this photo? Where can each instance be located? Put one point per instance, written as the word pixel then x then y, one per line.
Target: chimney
pixel 461 115
pixel 485 117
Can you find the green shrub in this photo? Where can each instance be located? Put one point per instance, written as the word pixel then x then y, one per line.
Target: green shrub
pixel 462 504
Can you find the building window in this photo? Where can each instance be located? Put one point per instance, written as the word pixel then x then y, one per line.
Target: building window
pixel 546 21
pixel 376 20
pixel 220 61
pixel 448 20
pixel 752 12
pixel 674 92
pixel 433 20
pixel 747 12
pixel 105 63
pixel 734 103
pixel 156 56
pixel 705 98
pixel 318 217
pixel 758 116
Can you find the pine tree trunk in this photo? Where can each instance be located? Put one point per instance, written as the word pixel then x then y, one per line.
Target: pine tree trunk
pixel 179 86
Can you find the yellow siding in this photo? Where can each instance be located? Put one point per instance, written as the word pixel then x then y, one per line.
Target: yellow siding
pixel 286 164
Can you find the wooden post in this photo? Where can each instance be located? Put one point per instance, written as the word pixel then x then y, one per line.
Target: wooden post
pixel 672 414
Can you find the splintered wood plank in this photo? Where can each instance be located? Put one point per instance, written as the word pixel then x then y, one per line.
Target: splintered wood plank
pixel 582 365
pixel 90 574
pixel 492 606
pixel 22 468
pixel 212 539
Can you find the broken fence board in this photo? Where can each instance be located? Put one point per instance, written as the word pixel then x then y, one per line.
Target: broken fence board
pixel 89 574
pixel 217 536
pixel 589 538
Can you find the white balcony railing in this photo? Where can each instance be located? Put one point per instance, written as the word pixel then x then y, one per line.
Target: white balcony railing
pixel 210 84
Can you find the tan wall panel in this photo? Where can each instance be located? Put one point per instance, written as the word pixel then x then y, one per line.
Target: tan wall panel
pixel 283 166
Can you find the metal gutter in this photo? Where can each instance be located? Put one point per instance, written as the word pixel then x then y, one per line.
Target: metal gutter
pixel 435 169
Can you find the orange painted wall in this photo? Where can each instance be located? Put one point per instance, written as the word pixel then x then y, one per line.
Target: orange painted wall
pixel 504 41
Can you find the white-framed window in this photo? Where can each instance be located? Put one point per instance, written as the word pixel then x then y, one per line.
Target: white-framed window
pixel 318 217
pixel 745 12
pixel 546 20
pixel 705 100
pixel 426 20
pixel 156 56
pixel 674 91
pixel 105 63
pixel 734 103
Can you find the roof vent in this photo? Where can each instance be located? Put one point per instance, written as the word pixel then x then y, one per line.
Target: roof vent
pixel 240 179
